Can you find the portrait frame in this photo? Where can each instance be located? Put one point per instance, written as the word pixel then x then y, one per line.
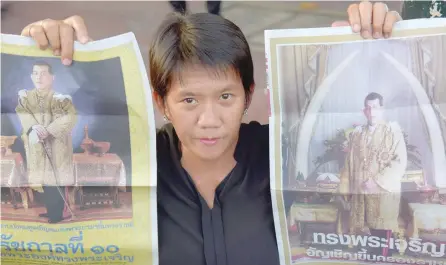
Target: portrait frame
pixel 274 39
pixel 141 247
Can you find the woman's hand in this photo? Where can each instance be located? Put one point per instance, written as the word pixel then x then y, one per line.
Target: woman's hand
pixel 58 35
pixel 372 20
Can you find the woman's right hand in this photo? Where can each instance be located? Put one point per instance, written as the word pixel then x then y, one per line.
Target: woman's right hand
pixel 58 35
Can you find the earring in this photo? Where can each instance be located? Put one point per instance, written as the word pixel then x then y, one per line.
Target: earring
pixel 245 112
pixel 165 118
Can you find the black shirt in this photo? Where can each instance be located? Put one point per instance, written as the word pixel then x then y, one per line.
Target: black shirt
pixel 239 229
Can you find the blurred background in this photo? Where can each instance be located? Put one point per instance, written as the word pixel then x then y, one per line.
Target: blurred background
pixel 109 18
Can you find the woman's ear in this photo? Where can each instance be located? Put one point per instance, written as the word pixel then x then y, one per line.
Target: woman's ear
pixel 161 106
pixel 249 96
pixel 159 102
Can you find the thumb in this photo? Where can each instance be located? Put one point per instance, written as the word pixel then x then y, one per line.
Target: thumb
pixel 340 24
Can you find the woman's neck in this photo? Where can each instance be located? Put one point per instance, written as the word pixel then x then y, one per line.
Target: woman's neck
pixel 209 169
pixel 207 174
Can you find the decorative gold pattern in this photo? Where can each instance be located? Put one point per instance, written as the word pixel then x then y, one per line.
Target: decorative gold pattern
pixel 58 115
pixel 13 176
pixel 373 157
pixel 13 171
pixel 325 213
pixel 98 171
pixel 427 219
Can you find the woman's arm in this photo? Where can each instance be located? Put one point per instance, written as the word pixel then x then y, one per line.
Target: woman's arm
pixel 58 35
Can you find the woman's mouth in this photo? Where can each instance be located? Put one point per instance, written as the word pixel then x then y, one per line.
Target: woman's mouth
pixel 209 141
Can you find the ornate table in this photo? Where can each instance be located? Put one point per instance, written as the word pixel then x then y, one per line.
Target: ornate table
pixel 93 173
pixel 311 217
pixel 428 222
pixel 13 176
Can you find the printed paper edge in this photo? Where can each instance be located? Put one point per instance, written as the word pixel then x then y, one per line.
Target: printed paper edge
pixel 347 30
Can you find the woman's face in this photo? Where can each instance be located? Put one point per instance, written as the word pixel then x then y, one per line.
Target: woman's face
pixel 206 111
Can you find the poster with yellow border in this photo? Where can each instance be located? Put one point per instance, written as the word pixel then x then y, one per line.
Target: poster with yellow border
pixel 78 155
pixel 358 140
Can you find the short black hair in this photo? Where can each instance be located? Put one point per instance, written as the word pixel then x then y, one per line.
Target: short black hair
pixel 374 96
pixel 202 38
pixel 43 63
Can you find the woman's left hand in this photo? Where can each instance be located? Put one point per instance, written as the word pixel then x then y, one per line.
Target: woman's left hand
pixel 372 20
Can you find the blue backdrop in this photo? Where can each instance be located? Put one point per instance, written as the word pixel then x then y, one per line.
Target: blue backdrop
pixel 97 89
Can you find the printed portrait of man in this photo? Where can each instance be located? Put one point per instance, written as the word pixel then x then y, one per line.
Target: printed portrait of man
pixel 371 178
pixel 47 120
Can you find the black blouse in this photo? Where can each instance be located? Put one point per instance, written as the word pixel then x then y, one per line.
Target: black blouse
pixel 239 229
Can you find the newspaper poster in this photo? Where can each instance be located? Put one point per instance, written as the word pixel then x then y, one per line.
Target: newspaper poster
pixel 358 133
pixel 78 165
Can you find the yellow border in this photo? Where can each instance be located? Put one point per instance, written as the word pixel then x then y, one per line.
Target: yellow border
pixel 136 241
pixel 275 93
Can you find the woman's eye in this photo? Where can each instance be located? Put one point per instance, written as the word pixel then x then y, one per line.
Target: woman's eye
pixel 189 100
pixel 226 96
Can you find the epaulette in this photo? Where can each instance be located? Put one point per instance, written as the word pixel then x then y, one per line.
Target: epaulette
pixel 62 97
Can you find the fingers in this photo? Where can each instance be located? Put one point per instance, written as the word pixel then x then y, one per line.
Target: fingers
pixel 67 43
pixel 354 17
pixel 40 131
pixel 70 27
pixel 365 11
pixel 379 14
pixel 79 27
pixel 60 35
pixel 45 135
pixel 360 18
pixel 41 135
pixel 51 28
pixel 371 20
pixel 389 21
pixel 36 32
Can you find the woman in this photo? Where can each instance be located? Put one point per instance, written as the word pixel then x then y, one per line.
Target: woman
pixel 214 202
